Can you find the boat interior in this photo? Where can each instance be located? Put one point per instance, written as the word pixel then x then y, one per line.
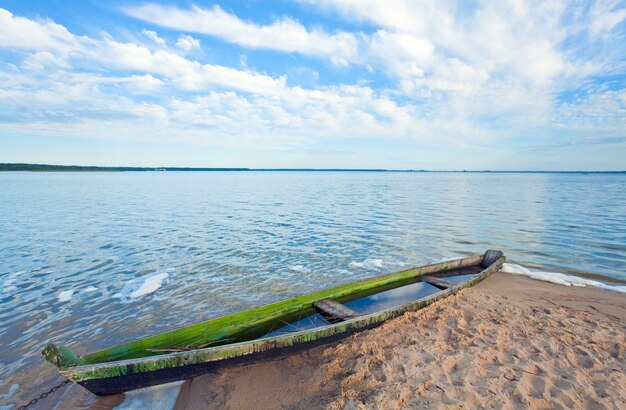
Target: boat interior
pixel 331 311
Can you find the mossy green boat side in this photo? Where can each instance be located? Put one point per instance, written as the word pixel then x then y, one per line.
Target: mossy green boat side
pixel 233 337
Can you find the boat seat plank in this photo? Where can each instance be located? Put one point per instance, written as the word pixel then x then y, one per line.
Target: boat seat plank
pixel 438 282
pixel 334 311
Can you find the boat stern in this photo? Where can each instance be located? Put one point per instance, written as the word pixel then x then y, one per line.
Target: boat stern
pixel 490 257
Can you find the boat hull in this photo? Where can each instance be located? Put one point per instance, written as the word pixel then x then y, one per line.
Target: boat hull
pixel 124 375
pixel 133 381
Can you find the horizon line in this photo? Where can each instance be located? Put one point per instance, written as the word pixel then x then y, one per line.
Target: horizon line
pixel 9 167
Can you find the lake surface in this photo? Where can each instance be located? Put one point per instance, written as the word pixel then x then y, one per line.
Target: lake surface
pixel 96 259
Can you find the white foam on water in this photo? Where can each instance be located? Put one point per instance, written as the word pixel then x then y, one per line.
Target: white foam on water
pixel 300 268
pixel 369 263
pixel 142 286
pixel 559 278
pixel 65 295
pixel 373 264
pixel 150 285
pixel 90 289
pixel 161 397
pixel 8 284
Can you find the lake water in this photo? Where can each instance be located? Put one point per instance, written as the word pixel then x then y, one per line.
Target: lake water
pixel 96 259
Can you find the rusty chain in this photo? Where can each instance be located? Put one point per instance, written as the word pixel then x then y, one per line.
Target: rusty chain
pixel 44 395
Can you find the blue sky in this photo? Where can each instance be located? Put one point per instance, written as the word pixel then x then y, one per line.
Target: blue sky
pixel 509 84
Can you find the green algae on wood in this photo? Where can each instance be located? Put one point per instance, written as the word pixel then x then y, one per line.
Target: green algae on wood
pixel 61 356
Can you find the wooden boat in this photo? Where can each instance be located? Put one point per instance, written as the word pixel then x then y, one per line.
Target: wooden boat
pixel 265 331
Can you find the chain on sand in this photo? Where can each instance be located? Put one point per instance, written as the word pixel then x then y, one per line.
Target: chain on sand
pixel 44 395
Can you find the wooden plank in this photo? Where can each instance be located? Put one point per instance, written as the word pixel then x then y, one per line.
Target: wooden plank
pixel 438 282
pixel 334 311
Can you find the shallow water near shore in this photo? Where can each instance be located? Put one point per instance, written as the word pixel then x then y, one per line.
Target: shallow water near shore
pixel 96 259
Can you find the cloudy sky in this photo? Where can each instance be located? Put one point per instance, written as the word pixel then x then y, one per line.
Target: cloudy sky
pixel 445 84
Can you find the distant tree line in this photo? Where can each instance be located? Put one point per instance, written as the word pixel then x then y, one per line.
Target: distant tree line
pixel 78 168
pixel 74 168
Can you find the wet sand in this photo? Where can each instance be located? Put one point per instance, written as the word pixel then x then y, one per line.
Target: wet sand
pixel 509 342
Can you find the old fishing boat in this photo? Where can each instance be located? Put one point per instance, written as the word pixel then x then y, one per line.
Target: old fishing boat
pixel 270 330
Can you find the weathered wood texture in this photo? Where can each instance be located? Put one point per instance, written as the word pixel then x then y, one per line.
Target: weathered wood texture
pixel 490 257
pixel 334 311
pixel 437 282
pixel 61 356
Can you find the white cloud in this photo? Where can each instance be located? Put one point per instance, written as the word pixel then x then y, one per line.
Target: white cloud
pixel 424 18
pixel 154 37
pixel 604 17
pixel 505 61
pixel 22 33
pixel 601 113
pixel 145 83
pixel 64 102
pixel 522 40
pixel 44 60
pixel 187 43
pixel 182 72
pixel 286 34
pixel 114 55
pixel 79 104
pixel 401 45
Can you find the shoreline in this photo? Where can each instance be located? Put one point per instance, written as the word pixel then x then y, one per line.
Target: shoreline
pixel 510 341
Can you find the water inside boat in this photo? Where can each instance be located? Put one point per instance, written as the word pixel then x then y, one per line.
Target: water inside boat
pixel 459 278
pixel 370 304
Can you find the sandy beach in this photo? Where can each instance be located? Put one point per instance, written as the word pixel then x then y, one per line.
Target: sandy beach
pixel 509 342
